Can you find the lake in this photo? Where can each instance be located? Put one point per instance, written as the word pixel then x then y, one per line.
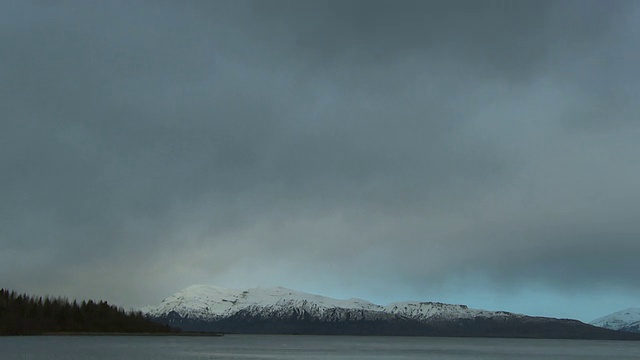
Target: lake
pixel 240 347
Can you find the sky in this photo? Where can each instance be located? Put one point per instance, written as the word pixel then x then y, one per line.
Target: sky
pixel 481 153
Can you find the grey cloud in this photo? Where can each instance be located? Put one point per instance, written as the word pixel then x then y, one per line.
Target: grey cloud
pixel 162 144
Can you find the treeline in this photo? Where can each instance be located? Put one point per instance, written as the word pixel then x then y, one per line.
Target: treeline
pixel 22 314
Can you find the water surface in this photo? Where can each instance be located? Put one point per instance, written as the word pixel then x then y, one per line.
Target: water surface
pixel 240 347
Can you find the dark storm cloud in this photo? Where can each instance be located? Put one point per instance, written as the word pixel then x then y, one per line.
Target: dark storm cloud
pixel 154 145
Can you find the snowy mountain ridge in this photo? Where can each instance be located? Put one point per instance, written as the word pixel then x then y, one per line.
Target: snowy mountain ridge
pixel 625 320
pixel 279 310
pixel 212 303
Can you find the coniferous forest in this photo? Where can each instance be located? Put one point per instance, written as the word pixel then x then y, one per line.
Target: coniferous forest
pixel 22 314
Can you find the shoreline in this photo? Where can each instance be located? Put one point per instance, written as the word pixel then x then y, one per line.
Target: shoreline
pixel 66 333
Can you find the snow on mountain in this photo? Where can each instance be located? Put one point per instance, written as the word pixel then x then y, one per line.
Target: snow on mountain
pixel 633 327
pixel 627 320
pixel 424 311
pixel 214 303
pixel 199 301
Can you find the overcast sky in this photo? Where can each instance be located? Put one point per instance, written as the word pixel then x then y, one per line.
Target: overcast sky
pixel 476 152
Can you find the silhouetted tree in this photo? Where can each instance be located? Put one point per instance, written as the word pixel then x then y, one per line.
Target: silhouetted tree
pixel 21 314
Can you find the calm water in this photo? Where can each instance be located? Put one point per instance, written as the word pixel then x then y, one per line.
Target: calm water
pixel 306 347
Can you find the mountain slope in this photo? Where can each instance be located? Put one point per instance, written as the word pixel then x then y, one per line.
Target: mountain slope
pixel 624 320
pixel 214 303
pixel 284 311
pixel 633 327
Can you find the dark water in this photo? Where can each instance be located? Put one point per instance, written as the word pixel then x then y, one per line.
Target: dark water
pixel 306 347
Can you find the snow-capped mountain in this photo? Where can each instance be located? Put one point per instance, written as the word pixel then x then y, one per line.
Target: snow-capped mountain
pixel 214 303
pixel 429 311
pixel 285 311
pixel 624 320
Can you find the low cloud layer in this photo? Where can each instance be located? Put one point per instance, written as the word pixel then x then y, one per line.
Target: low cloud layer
pixel 355 148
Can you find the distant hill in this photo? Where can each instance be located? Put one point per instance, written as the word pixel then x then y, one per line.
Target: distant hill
pixel 285 311
pixel 22 314
pixel 625 320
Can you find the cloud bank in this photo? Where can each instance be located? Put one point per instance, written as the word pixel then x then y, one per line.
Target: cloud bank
pixel 370 148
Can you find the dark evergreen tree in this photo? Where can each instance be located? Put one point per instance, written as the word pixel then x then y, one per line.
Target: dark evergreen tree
pixel 21 314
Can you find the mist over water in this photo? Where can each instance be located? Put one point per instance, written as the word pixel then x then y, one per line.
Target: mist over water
pixel 306 347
